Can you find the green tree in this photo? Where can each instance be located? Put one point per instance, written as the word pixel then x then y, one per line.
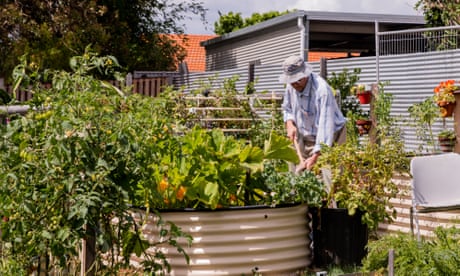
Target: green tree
pixel 440 12
pixel 233 21
pixel 51 32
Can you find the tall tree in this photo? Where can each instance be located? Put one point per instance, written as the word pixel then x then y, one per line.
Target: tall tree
pixel 233 21
pixel 440 12
pixel 51 31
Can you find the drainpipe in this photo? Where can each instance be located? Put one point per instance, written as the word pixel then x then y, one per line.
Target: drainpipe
pixel 304 27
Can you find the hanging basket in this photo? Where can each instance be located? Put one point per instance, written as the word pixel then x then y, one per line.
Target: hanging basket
pixel 446 109
pixel 364 97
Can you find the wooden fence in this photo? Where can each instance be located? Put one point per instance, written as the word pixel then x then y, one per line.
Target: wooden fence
pixel 151 87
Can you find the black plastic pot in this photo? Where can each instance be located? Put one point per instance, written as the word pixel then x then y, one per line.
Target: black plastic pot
pixel 338 239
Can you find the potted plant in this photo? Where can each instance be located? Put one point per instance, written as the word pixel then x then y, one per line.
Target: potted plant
pixel 362 92
pixel 360 185
pixel 363 122
pixel 444 97
pixel 447 139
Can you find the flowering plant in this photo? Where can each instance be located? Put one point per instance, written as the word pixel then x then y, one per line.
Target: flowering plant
pixel 444 92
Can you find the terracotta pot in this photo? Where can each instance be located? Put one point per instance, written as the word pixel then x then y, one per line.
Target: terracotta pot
pixel 446 109
pixel 446 144
pixel 364 97
pixel 363 126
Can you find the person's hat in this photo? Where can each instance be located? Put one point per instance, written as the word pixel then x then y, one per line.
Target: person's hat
pixel 294 68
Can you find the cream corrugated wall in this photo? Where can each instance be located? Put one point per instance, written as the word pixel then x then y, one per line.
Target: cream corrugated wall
pixel 427 221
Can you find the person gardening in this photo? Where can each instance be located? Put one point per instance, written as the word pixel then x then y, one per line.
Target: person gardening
pixel 311 114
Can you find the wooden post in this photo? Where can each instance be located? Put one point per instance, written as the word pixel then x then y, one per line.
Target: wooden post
pixel 373 117
pixel 457 121
pixel 323 68
pixel 88 253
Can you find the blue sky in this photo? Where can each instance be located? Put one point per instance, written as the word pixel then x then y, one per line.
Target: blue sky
pixel 248 7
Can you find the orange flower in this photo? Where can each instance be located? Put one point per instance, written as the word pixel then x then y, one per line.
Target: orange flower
pixel 180 193
pixel 444 91
pixel 163 185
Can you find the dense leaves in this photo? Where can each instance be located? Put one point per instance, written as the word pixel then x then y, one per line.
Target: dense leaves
pixel 233 21
pixel 440 12
pixel 53 31
pixel 75 162
pixel 437 255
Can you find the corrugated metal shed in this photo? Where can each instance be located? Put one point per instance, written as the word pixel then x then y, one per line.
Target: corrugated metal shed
pixel 299 32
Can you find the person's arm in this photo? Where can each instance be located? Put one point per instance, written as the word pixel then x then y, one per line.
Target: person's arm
pixel 289 116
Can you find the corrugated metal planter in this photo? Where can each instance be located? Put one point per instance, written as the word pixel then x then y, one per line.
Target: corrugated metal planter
pixel 241 241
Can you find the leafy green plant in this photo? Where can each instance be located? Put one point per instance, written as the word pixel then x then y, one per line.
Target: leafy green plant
pixel 87 152
pixel 344 81
pixel 362 178
pixel 447 134
pixel 431 256
pixel 206 169
pixel 79 158
pixel 285 187
pixel 423 116
pixel 382 110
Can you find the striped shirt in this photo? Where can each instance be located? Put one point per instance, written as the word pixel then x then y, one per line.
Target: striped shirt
pixel 314 111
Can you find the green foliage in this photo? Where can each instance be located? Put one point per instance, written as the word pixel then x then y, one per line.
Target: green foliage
pixel 207 169
pixel 362 177
pixel 51 32
pixel 87 152
pixel 447 134
pixel 233 21
pixel 439 13
pixel 423 116
pixel 74 162
pixel 434 256
pixel 344 81
pixel 228 23
pixel 286 187
pixel 382 110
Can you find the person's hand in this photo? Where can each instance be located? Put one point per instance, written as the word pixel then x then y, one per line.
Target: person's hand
pixel 311 161
pixel 291 130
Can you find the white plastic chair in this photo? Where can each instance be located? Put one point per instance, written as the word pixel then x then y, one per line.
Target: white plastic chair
pixel 435 185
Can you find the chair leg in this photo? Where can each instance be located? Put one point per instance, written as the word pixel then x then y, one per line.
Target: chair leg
pixel 411 218
pixel 417 226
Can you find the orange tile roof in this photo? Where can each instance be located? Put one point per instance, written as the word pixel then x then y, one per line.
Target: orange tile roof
pixel 196 55
pixel 316 56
